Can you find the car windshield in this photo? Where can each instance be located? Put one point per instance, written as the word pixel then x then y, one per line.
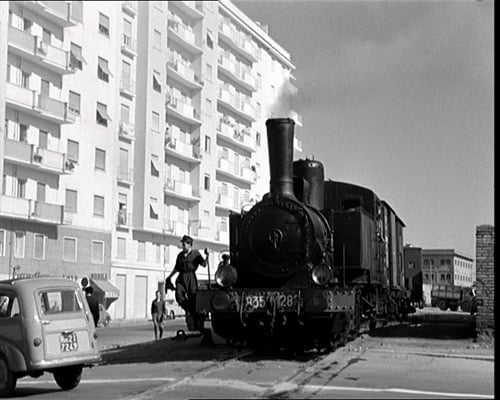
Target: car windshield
pixel 59 301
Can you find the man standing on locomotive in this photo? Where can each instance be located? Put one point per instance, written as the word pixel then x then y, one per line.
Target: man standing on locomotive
pixel 186 285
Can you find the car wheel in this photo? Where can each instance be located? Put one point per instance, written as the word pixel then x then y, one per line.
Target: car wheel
pixel 172 314
pixel 442 305
pixel 68 377
pixel 106 322
pixel 7 379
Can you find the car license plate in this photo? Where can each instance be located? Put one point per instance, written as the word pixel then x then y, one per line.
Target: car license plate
pixel 68 342
pixel 284 301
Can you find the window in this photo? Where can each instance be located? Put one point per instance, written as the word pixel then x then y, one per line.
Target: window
pixel 76 58
pixel 71 201
pixel 39 247
pixel 69 249
pixel 19 244
pixel 97 252
pixel 257 138
pixel 411 265
pixel 426 277
pixel 100 159
pixel 208 144
pixel 153 208
pixel 141 251
pixel 259 80
pixel 27 24
pixel 127 32
pixel 9 306
pixel 59 301
pixel 441 261
pixel 74 103
pixel 155 121
pixel 156 81
pixel 121 248
pixel 98 206
pixel 103 24
pixel 43 139
pixel 442 277
pixel 2 242
pixel 155 171
pixel 209 73
pixel 23 133
pixel 157 39
pixel 20 188
pixel 448 261
pixel 426 262
pixel 210 41
pixel 206 182
pixel 25 79
pixel 102 116
pixel 103 71
pixel 126 74
pixel 73 149
pixel 125 113
pixel 208 107
pixel 158 253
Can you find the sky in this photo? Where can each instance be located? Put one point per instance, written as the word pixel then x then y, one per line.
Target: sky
pixel 398 96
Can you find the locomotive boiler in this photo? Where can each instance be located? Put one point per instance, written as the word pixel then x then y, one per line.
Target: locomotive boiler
pixel 309 261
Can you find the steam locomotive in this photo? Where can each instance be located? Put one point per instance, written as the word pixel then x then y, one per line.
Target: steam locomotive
pixel 308 263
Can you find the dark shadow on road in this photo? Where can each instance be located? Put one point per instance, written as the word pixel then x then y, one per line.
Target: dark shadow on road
pixel 428 330
pixel 33 391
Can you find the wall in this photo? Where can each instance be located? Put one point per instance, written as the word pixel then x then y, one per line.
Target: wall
pixel 485 263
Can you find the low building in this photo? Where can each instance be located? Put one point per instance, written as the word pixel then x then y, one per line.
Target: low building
pixel 447 267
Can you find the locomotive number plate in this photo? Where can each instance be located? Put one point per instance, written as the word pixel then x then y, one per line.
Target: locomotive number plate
pixel 263 300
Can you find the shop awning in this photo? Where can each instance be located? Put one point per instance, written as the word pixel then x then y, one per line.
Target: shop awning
pixel 106 287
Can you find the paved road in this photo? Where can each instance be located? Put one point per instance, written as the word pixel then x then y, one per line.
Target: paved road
pixel 417 361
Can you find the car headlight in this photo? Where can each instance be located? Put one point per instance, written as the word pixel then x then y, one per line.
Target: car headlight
pixel 322 274
pixel 226 275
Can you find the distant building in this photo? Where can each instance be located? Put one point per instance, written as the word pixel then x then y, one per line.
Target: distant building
pixel 447 267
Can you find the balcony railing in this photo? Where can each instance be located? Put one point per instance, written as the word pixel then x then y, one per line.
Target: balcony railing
pixel 180 147
pixel 31 209
pixel 184 70
pixel 125 174
pixel 179 187
pixel 63 13
pixel 175 228
pixel 241 138
pixel 182 31
pixel 126 131
pixel 35 49
pixel 240 105
pixel 55 108
pixel 184 109
pixel 129 45
pixel 236 170
pixel 238 72
pixel 238 41
pixel 123 218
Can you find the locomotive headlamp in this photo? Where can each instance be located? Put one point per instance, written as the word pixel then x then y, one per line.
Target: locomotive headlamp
pixel 322 274
pixel 226 274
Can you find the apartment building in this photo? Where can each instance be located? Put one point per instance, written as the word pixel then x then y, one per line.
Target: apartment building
pixel 127 125
pixel 447 267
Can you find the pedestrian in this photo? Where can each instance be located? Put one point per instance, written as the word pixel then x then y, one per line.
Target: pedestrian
pixel 158 314
pixel 186 284
pixel 93 304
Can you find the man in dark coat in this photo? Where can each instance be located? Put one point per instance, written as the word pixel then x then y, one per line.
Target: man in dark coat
pixel 93 304
pixel 186 285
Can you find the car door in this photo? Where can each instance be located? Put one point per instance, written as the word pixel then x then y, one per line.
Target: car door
pixel 11 323
pixel 66 329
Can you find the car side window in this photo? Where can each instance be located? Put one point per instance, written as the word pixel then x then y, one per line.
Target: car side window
pixel 9 306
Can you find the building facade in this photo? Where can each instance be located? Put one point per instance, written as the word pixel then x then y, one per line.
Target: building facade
pixel 127 125
pixel 447 267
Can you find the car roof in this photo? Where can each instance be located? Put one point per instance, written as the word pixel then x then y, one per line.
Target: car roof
pixel 38 282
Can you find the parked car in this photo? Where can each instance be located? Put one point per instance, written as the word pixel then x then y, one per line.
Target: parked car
pixel 173 309
pixel 45 326
pixel 104 316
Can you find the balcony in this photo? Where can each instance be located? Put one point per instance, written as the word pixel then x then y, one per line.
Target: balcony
pixel 130 7
pixel 242 108
pixel 241 139
pixel 123 219
pixel 179 190
pixel 127 87
pixel 190 8
pixel 222 236
pixel 183 36
pixel 26 209
pixel 181 150
pixel 35 50
pixel 242 174
pixel 183 111
pixel 31 102
pixel 175 228
pixel 129 46
pixel 62 13
pixel 236 73
pixel 28 155
pixel 184 74
pixel 126 131
pixel 238 41
pixel 125 176
pixel 228 203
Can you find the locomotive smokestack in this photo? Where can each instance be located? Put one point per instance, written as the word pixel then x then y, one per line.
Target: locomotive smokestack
pixel 280 144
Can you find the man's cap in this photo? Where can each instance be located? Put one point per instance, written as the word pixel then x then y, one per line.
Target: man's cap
pixel 187 239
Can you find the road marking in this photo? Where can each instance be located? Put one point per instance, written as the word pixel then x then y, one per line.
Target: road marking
pixel 397 390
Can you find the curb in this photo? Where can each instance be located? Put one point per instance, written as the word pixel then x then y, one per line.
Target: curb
pixel 442 355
